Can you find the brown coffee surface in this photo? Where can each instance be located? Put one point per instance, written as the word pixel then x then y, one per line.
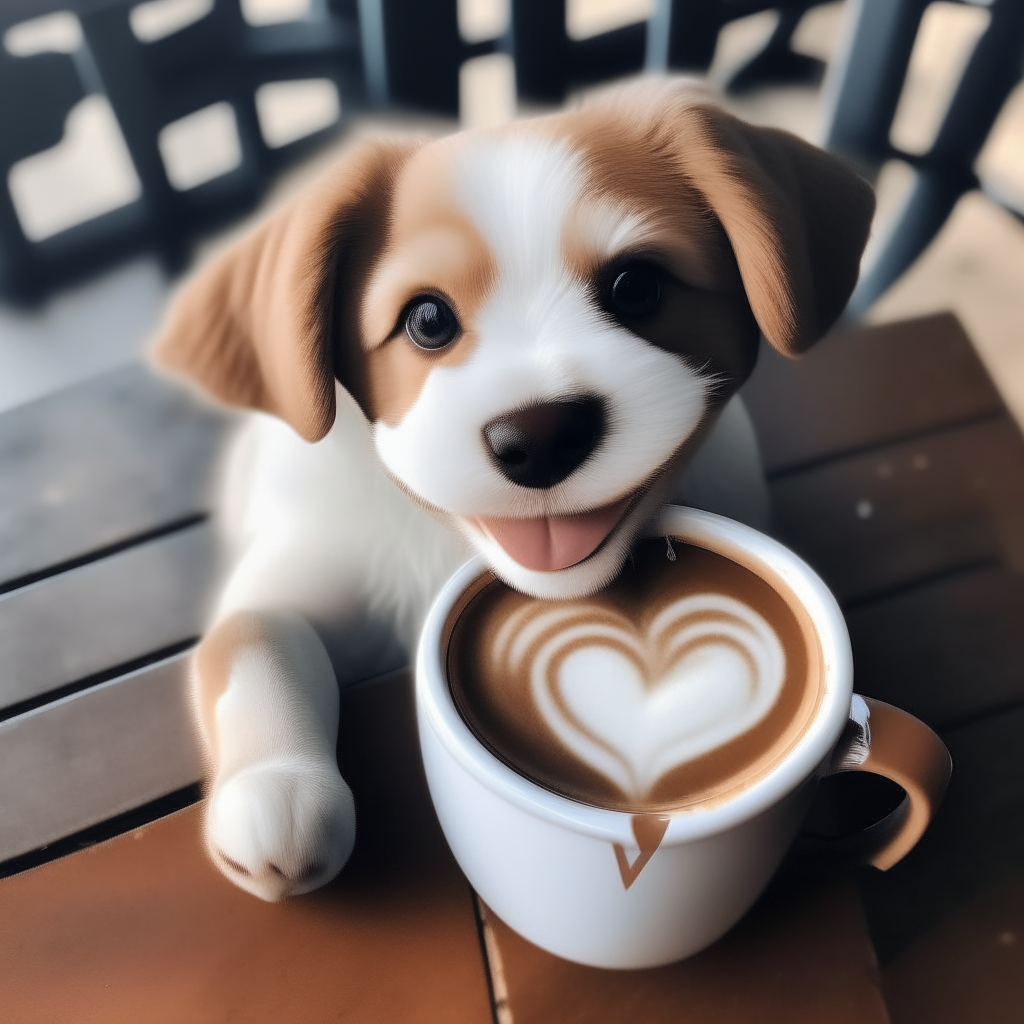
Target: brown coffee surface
pixel 646 642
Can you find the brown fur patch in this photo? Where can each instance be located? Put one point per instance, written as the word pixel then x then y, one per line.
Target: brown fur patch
pixel 431 248
pixel 214 659
pixel 255 328
pixel 626 171
pixel 796 218
pixel 704 314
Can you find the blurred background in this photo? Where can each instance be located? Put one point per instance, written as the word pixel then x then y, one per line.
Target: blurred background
pixel 135 137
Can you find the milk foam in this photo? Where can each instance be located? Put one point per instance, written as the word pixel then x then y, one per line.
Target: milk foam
pixel 633 706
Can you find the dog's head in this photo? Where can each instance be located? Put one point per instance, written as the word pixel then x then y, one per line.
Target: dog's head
pixel 540 322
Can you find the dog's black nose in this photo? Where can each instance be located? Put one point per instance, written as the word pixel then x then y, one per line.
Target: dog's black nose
pixel 541 445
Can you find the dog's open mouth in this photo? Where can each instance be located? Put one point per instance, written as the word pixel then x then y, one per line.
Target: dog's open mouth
pixel 550 543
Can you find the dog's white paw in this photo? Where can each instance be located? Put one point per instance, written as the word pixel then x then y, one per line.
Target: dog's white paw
pixel 282 827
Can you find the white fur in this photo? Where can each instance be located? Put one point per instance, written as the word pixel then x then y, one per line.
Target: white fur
pixel 322 531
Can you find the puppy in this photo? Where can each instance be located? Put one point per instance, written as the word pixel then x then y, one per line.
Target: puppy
pixel 508 340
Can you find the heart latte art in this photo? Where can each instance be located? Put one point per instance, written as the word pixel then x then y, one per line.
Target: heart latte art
pixel 666 689
pixel 634 707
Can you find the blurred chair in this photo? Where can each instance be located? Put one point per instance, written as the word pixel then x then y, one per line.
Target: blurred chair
pixel 548 62
pixel 413 52
pixel 404 53
pixel 154 81
pixel 865 93
pixel 36 94
pixel 680 35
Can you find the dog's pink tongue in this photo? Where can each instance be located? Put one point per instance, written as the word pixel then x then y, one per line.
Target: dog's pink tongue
pixel 552 542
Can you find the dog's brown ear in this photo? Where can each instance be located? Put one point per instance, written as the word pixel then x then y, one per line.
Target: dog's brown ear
pixel 256 328
pixel 797 219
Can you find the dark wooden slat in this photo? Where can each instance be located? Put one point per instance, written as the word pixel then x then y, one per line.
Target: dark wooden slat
pixel 106 613
pixel 909 511
pixel 897 473
pixel 127 821
pixel 865 387
pixel 105 460
pixel 802 954
pixel 85 758
pixel 142 928
pixel 977 837
pixel 946 651
pixel 969 969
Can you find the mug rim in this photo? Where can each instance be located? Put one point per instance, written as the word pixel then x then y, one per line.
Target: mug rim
pixel 724 536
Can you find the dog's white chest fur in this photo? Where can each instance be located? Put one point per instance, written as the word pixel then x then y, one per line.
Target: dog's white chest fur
pixel 322 531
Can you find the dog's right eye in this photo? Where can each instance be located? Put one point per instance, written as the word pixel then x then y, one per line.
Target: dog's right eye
pixel 635 290
pixel 430 323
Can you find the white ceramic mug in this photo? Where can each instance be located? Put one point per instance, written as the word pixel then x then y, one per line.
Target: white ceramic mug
pixel 599 887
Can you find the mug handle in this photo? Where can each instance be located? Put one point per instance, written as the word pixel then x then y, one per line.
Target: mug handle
pixel 887 741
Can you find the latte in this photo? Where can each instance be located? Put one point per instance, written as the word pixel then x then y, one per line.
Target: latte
pixel 686 679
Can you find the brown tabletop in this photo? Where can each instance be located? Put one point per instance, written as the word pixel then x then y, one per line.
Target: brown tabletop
pixel 143 930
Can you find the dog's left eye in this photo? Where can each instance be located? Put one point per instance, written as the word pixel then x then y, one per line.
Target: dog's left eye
pixel 635 290
pixel 430 323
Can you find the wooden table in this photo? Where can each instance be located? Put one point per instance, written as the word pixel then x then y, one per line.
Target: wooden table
pixel 894 469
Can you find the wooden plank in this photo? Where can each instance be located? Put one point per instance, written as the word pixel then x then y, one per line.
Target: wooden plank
pixel 976 840
pixel 865 387
pixel 801 955
pixel 946 651
pixel 142 928
pixel 111 458
pixel 969 969
pixel 92 755
pixel 905 512
pixel 104 614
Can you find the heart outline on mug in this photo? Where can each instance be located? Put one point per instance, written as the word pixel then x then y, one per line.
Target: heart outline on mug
pixel 648 830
